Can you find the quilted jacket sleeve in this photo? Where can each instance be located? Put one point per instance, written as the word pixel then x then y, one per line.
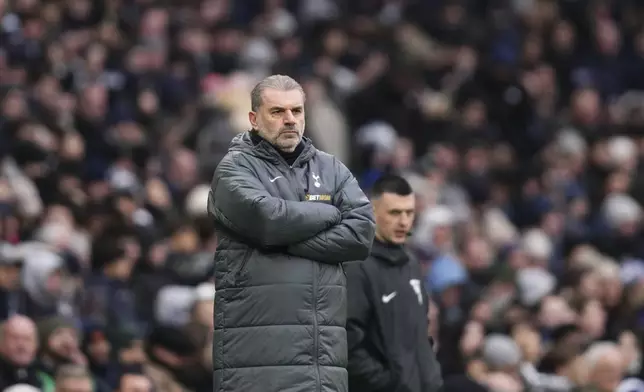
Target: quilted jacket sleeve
pixel 351 238
pixel 239 202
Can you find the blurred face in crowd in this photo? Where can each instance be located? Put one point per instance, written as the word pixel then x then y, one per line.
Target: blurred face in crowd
pixel 592 318
pixel 59 214
pixel 555 311
pixel 577 371
pixel 563 36
pixel 589 285
pixel 64 343
pixel 629 345
pixel 500 381
pixel 10 276
pixel 94 102
pixel 99 349
pixel 185 240
pixel 14 105
pixel 586 106
pixel 19 341
pixel 607 372
pixel 481 312
pixel 572 364
pixel 476 370
pixel 611 291
pixel 529 342
pixel 280 118
pixel 403 155
pixel 74 384
pixel 79 9
pixel 135 383
pixel 183 171
pixel 476 160
pixel 394 217
pixel 474 114
pixel 134 354
pixel 608 38
pixel 478 255
pixel 154 23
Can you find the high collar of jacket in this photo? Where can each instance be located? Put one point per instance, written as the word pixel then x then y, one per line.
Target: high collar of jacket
pixel 389 253
pixel 264 150
pixel 15 373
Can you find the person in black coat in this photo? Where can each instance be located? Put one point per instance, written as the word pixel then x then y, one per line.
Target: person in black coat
pixel 387 327
pixel 18 348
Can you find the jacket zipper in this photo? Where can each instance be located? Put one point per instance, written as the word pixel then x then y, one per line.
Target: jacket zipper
pixel 316 343
pixel 293 177
pixel 316 338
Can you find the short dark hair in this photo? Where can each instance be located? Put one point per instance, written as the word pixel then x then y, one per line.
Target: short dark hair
pixel 391 183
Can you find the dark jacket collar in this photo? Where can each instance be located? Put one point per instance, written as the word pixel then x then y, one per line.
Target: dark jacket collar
pixel 253 144
pixel 389 253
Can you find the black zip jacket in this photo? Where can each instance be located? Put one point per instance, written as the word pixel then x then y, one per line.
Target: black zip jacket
pixel 389 350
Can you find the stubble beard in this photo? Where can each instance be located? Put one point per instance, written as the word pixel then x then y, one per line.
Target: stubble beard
pixel 288 144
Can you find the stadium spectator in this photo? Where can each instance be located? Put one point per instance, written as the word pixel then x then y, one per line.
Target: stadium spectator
pixel 10 267
pixel 70 378
pixel 18 349
pixel 132 382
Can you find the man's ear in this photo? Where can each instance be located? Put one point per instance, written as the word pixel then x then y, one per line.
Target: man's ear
pixel 252 117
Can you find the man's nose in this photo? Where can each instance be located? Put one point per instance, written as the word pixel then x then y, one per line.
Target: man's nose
pixel 406 221
pixel 289 118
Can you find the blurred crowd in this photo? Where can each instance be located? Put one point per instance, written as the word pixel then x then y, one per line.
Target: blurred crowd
pixel 519 123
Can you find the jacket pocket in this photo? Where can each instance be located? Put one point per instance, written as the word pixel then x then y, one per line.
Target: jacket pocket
pixel 242 267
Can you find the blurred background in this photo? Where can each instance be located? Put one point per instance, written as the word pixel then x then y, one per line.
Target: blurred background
pixel 519 123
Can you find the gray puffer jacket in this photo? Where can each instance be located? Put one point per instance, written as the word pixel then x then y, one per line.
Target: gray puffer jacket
pixel 283 231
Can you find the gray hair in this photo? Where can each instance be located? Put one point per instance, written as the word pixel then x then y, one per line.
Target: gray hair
pixel 276 82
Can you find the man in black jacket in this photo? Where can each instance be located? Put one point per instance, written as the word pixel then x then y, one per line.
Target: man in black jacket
pixel 18 348
pixel 389 349
pixel 287 216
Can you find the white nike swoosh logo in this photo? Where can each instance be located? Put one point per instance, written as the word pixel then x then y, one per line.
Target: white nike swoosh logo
pixel 274 179
pixel 388 297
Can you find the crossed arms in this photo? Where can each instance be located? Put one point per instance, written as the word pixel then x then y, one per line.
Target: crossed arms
pixel 317 231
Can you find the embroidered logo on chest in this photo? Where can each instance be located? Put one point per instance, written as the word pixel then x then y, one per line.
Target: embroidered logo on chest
pixel 310 197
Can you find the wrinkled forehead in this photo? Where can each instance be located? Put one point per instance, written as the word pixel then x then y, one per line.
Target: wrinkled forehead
pixel 283 99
